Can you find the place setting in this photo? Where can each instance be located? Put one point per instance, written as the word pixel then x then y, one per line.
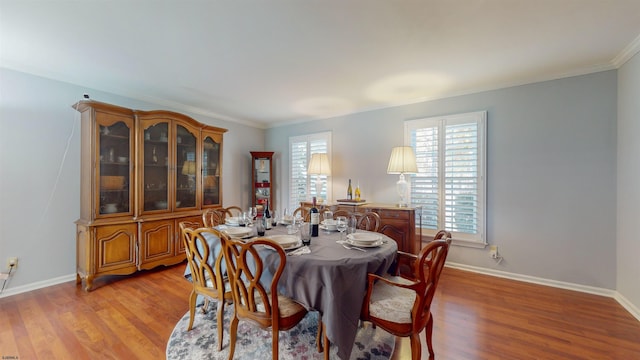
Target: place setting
pixel 237 232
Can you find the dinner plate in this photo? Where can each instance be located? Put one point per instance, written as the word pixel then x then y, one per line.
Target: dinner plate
pixel 364 238
pixel 364 245
pixel 238 231
pixel 328 228
pixel 285 222
pixel 232 220
pixel 286 241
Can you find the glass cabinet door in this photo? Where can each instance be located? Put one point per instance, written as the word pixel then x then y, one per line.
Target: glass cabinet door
pixel 211 163
pixel 186 171
pixel 261 162
pixel 155 175
pixel 114 170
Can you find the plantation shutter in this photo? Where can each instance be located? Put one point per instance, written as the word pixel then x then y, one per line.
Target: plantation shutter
pixel 450 184
pixel 301 184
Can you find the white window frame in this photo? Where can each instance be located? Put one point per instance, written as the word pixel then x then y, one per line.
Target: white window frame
pixel 298 172
pixel 476 238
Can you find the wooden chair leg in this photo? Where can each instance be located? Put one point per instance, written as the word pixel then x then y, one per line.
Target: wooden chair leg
pixel 233 334
pixel 319 335
pixel 192 309
pixel 327 346
pixel 274 344
pixel 416 351
pixel 219 319
pixel 428 334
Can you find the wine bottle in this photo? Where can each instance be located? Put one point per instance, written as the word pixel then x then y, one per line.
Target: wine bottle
pixel 358 191
pixel 349 191
pixel 315 218
pixel 267 216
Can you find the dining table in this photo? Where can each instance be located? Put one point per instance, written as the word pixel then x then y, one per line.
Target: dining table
pixel 328 276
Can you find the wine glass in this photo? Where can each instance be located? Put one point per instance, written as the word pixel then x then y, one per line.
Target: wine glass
pixel 251 214
pixel 341 225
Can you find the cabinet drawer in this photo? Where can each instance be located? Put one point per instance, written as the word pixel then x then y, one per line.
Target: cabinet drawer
pixel 392 214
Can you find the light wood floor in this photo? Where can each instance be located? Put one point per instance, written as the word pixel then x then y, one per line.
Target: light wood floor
pixel 476 317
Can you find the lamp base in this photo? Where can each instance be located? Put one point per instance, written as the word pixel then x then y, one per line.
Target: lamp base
pixel 403 188
pixel 402 205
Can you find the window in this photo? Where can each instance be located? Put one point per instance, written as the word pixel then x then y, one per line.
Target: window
pixel 450 183
pixel 301 185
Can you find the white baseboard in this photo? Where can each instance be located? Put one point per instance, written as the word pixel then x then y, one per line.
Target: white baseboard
pixel 627 305
pixel 553 283
pixel 37 285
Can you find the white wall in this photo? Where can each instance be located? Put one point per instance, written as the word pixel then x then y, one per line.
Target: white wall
pixel 551 172
pixel 628 251
pixel 40 171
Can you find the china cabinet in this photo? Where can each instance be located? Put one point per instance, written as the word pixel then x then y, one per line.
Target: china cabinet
pixel 142 173
pixel 262 178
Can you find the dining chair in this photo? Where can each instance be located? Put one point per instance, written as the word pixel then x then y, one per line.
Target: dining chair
pixel 217 216
pixel 341 212
pixel 401 305
pixel 234 211
pixel 304 212
pixel 369 221
pixel 208 281
pixel 255 301
pixel 213 217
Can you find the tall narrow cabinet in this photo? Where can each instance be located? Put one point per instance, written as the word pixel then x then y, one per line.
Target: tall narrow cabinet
pixel 262 178
pixel 142 173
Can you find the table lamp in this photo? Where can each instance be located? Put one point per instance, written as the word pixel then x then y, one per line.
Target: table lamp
pixel 319 165
pixel 402 161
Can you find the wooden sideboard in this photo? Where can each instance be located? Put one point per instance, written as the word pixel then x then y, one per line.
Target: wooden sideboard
pixel 402 218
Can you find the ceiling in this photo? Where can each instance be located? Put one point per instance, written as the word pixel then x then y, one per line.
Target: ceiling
pixel 271 62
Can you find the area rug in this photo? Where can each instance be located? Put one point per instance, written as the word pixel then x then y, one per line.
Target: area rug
pixel 254 343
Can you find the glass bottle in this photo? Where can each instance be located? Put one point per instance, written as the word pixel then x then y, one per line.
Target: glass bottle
pixel 358 191
pixel 154 157
pixel 315 218
pixel 267 216
pixel 349 191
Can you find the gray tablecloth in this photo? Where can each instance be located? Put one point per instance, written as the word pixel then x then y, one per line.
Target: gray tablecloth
pixel 332 280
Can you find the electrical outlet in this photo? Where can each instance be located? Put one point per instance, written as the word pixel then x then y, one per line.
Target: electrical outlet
pixel 12 263
pixel 493 250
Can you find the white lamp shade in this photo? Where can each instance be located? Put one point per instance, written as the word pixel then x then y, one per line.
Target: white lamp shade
pixel 402 161
pixel 319 164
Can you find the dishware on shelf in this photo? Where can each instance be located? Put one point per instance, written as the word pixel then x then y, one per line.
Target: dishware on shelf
pixel 110 208
pixel 160 204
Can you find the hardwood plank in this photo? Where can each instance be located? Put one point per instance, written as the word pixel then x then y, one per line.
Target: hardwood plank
pixel 475 317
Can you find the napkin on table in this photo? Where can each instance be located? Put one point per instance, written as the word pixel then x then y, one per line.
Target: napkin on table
pixel 301 251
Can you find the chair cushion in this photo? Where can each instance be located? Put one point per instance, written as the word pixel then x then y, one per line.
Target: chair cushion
pixel 390 302
pixel 288 306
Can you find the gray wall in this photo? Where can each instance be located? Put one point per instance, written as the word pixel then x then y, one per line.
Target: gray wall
pixel 40 171
pixel 551 173
pixel 628 255
pixel 551 165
